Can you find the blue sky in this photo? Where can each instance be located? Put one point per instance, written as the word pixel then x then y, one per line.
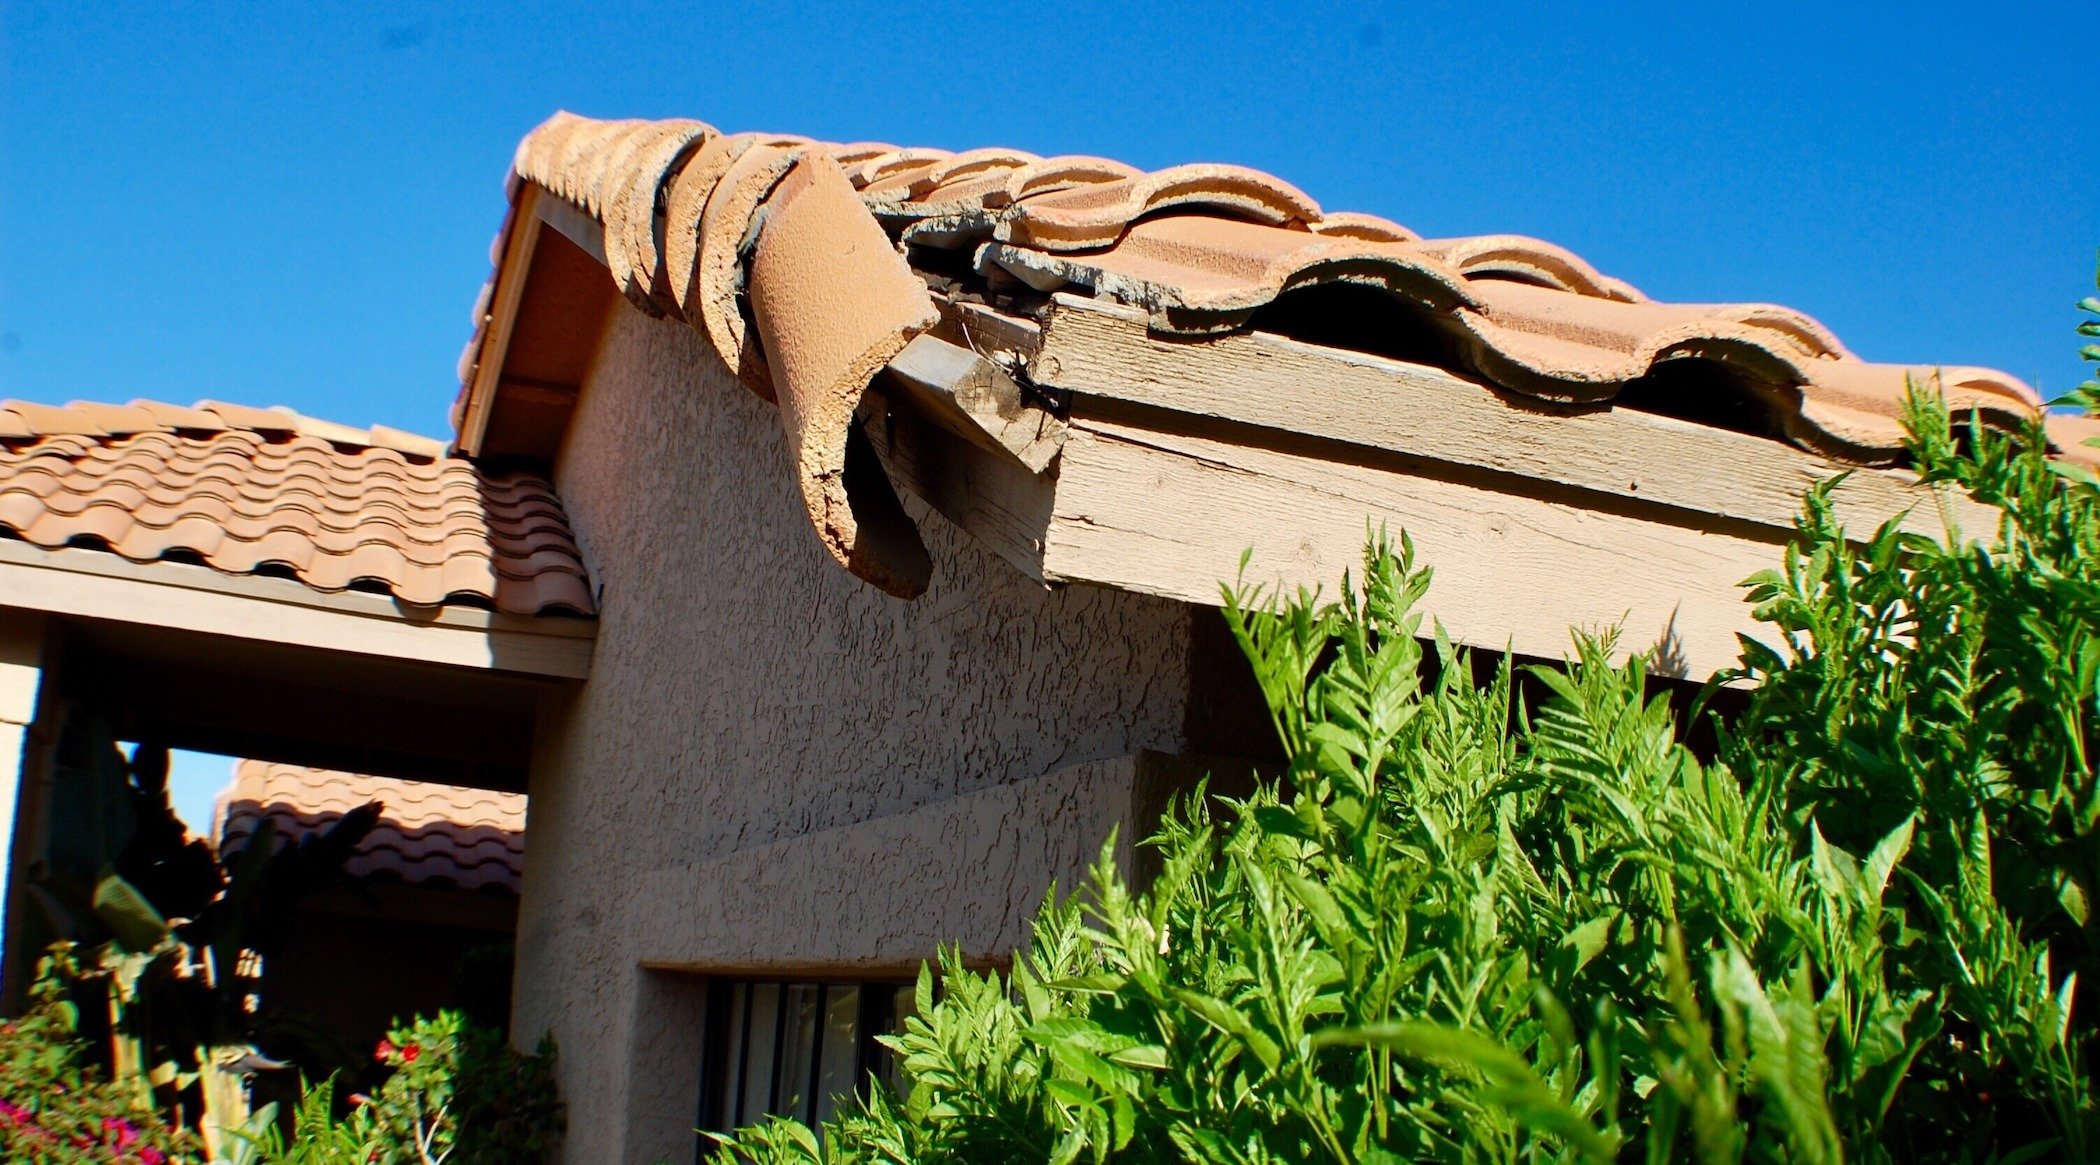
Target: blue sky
pixel 292 204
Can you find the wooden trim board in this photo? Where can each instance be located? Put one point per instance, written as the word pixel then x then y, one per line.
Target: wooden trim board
pixel 1171 514
pixel 1633 458
pixel 511 275
pixel 94 584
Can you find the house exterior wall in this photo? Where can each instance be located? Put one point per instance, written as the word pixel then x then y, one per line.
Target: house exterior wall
pixel 748 698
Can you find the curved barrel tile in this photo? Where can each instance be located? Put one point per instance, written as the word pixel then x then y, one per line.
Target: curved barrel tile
pixel 834 302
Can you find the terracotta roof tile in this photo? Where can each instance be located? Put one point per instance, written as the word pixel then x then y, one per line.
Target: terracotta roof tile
pixel 428 833
pixel 1201 248
pixel 245 490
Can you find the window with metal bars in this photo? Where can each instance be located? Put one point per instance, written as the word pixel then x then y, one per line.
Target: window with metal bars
pixel 791 1049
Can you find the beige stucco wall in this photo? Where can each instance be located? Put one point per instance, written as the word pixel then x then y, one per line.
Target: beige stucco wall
pixel 747 693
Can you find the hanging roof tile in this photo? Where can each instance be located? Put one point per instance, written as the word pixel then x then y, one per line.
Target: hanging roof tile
pixel 694 219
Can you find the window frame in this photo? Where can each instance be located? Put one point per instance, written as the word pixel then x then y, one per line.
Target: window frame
pixel 727 1039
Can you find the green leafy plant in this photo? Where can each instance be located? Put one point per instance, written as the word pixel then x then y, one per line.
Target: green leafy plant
pixel 1517 919
pixel 459 1093
pixel 455 1094
pixel 56 1109
pixel 2087 395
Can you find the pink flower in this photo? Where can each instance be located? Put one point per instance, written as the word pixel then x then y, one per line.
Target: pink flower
pixel 152 1156
pixel 126 1133
pixel 386 1048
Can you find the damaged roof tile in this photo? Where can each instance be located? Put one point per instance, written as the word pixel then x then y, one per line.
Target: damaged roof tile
pixel 1202 249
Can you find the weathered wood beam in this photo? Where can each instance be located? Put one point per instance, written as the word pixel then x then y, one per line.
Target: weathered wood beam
pixel 1170 514
pixel 987 331
pixel 1100 350
pixel 973 398
pixel 991 496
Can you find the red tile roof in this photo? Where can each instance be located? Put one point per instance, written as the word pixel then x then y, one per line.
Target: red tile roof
pixel 248 491
pixel 693 219
pixel 427 834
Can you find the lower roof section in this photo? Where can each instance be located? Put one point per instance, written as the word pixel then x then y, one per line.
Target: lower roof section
pixel 427 833
pixel 96 585
pixel 266 492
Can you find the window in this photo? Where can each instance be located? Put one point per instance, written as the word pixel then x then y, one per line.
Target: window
pixel 792 1049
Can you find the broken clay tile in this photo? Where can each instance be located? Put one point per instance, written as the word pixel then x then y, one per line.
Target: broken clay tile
pixel 1202 249
pixel 882 166
pixel 685 207
pixel 1063 173
pixel 633 232
pixel 1198 264
pixel 853 154
pixel 834 302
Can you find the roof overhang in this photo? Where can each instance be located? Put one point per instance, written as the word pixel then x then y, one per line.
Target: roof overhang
pixel 1177 458
pixel 94 584
pixel 1084 446
pixel 546 314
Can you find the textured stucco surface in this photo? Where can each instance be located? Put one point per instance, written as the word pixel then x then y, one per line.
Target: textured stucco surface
pixel 747 692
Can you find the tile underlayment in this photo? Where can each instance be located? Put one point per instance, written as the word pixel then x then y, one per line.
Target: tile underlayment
pixel 427 833
pixel 744 233
pixel 246 490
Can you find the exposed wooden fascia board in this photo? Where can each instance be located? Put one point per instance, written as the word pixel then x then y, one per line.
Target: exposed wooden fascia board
pixel 93 584
pixel 990 496
pixel 511 275
pixel 973 398
pixel 1101 350
pixel 1171 514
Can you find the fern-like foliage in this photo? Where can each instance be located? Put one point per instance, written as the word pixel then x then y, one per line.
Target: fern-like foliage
pixel 1462 929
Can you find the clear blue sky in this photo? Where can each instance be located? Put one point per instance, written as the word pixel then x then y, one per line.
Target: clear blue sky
pixel 292 203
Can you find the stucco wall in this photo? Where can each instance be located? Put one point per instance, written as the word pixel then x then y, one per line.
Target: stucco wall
pixel 746 692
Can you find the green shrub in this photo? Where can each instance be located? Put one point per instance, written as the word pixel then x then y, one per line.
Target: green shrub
pixel 1464 929
pixel 460 1089
pixel 53 1109
pixel 456 1093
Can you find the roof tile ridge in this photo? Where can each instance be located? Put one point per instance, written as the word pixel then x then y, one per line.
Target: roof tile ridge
pixel 1096 215
pixel 686 199
pixel 634 215
pixel 1527 258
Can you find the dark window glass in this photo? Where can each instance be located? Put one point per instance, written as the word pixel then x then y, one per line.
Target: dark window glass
pixel 792 1049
